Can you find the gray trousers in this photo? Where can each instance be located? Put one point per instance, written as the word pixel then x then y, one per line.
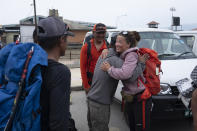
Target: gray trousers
pixel 98 116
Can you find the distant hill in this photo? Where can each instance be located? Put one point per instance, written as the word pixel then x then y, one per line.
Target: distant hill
pixel 189 26
pixel 184 27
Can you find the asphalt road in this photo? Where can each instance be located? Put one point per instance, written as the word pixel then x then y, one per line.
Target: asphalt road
pixel 117 122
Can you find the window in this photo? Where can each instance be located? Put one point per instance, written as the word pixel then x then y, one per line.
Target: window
pixel 3 39
pixel 15 38
pixel 145 43
pixel 189 40
pixel 163 42
pixel 178 47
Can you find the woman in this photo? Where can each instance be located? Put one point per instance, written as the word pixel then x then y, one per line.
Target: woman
pixel 126 43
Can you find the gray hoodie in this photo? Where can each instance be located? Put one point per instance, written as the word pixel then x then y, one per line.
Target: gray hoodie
pixel 103 86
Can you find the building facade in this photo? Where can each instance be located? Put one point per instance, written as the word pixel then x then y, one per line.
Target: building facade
pixel 10 33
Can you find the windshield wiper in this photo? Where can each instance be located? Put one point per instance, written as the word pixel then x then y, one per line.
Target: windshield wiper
pixel 165 54
pixel 187 52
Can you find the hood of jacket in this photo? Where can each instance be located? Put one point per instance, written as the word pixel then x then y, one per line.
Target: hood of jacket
pixel 124 54
pixel 111 52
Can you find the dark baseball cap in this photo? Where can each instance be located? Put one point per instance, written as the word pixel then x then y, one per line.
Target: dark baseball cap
pixel 100 27
pixel 53 26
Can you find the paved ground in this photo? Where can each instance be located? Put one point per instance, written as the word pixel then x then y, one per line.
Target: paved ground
pixel 76 81
pixel 79 113
pixel 117 122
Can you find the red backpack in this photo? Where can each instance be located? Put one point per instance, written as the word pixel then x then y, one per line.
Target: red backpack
pixel 151 73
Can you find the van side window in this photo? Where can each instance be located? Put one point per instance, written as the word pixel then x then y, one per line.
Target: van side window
pixel 145 43
pixel 189 40
pixel 177 47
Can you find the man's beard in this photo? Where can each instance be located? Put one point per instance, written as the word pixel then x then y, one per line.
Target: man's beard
pixel 99 41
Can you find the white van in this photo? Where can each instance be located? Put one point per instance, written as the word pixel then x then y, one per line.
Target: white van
pixel 190 38
pixel 177 62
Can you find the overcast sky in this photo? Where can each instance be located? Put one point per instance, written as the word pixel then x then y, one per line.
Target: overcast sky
pixel 123 13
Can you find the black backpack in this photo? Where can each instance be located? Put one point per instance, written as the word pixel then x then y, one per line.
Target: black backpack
pixel 87 40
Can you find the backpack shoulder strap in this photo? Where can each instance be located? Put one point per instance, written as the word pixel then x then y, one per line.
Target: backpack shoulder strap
pixel 88 54
pixel 88 50
pixel 107 43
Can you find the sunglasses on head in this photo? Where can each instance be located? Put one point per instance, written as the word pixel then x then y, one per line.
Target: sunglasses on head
pixel 124 33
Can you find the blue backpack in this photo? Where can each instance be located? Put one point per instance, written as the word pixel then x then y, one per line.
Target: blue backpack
pixel 20 86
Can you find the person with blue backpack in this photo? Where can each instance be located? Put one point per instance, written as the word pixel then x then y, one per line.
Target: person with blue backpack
pixel 34 86
pixel 20 82
pixel 55 94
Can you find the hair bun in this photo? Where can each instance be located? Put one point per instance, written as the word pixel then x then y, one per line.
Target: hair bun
pixel 137 35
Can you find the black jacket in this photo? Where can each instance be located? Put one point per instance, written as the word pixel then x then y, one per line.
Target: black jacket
pixel 55 97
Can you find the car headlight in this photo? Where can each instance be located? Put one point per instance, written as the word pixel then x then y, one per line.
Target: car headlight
pixel 185 87
pixel 165 89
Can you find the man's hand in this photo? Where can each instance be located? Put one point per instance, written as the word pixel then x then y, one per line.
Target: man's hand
pixel 87 90
pixel 105 66
pixel 143 58
pixel 104 53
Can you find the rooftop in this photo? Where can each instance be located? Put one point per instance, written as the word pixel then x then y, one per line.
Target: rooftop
pixel 194 29
pixel 152 23
pixel 74 25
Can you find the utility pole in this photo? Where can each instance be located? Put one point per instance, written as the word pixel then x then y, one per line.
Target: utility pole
pixel 172 9
pixel 35 17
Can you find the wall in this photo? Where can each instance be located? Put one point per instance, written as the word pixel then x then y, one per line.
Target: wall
pixel 10 37
pixel 79 36
pixel 26 32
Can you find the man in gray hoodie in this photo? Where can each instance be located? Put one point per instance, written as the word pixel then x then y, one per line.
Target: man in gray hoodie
pixel 102 91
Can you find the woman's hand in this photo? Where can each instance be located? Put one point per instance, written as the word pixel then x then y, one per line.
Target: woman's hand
pixel 143 58
pixel 104 53
pixel 105 66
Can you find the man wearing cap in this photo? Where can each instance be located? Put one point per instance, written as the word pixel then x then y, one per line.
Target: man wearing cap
pixel 55 93
pixel 87 65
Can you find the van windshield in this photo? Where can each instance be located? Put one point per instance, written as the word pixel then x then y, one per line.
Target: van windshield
pixel 167 45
